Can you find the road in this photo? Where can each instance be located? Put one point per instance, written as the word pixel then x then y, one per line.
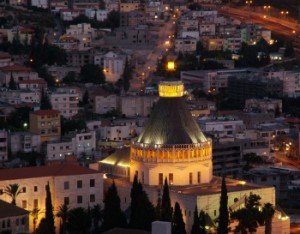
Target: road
pixel 143 73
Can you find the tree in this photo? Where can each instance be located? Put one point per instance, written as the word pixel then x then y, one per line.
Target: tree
pixel 49 211
pixel 249 218
pixel 12 190
pixel 43 227
pixel 223 218
pixel 202 222
pixel 69 78
pixel 79 221
pixel 35 215
pixel 63 213
pixel 12 84
pixel 196 223
pixel 85 98
pixel 91 73
pixel 158 207
pixel 127 75
pixel 142 210
pixel 112 208
pixel 166 209
pixel 45 102
pixel 178 225
pixel 97 216
pixel 268 213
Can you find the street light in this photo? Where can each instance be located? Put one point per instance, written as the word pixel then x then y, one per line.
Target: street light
pixel 284 13
pixel 248 2
pixel 171 66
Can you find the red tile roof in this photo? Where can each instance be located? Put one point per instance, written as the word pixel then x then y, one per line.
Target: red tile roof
pixel 45 112
pixel 44 171
pixel 15 67
pixel 5 56
pixel 36 81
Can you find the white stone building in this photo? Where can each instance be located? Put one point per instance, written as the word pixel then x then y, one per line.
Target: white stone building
pixel 98 14
pixel 69 184
pixel 103 101
pixel 57 150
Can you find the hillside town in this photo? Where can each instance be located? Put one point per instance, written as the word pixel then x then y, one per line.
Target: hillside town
pixel 149 116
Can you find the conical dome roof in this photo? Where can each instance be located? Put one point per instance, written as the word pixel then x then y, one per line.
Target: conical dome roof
pixel 171 123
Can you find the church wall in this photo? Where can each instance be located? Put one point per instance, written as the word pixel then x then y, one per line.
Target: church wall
pixel 148 173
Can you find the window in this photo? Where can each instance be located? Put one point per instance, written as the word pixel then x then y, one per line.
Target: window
pixel 92 198
pixel 92 182
pixel 79 183
pixel 66 185
pixel 24 190
pixel 160 178
pixel 24 204
pixel 170 178
pixel 191 178
pixel 199 177
pixel 35 188
pixel 215 212
pixel 17 222
pixel 66 200
pixel 35 203
pixel 1 191
pixel 79 199
pixel 143 178
pixel 23 221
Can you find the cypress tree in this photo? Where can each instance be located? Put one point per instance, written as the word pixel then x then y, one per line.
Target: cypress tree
pixel 158 207
pixel 12 84
pixel 126 76
pixel 112 215
pixel 142 210
pixel 49 211
pixel 202 222
pixel 166 209
pixel 45 102
pixel 223 210
pixel 178 225
pixel 196 224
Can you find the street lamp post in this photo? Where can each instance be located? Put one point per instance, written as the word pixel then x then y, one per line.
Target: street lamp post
pixel 284 13
pixel 268 9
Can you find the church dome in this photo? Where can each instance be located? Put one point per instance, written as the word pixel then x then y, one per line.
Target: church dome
pixel 171 122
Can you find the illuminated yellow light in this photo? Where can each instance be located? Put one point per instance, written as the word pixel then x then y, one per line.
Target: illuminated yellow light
pixel 171 65
pixel 167 42
pixel 171 89
pixel 242 182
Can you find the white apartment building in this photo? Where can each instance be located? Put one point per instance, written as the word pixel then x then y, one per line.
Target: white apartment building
pixel 112 63
pixel 33 85
pixel 98 14
pixel 40 3
pixel 65 102
pixel 185 44
pixel 233 44
pixel 17 72
pixel 222 127
pixel 264 105
pixel 60 72
pixel 112 5
pixel 104 102
pixel 70 184
pixel 206 28
pixel 80 29
pixel 84 143
pixel 24 142
pixel 132 106
pixel 115 132
pixel 69 14
pixel 24 35
pixel 5 59
pixel 20 96
pixel 3 145
pixel 57 150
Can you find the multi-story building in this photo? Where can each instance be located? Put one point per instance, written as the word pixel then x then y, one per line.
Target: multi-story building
pixel 213 43
pixel 5 60
pixel 84 143
pixel 17 72
pixel 136 105
pixel 129 5
pixel 69 14
pixel 79 58
pixel 58 150
pixel 84 4
pixel 24 142
pixel 185 44
pixel 45 123
pixel 20 96
pixel 3 145
pixel 33 85
pixel 22 34
pixel 207 29
pixel 65 102
pixel 241 89
pixel 103 101
pixel 60 72
pixel 115 132
pixel 98 14
pixel 264 105
pixel 132 18
pixel 69 184
pixel 112 63
pixel 13 219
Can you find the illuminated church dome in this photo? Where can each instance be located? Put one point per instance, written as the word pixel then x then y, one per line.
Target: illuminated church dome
pixel 172 143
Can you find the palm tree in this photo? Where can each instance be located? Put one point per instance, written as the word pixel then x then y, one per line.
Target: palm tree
pixel 268 213
pixel 63 213
pixel 35 215
pixel 13 191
